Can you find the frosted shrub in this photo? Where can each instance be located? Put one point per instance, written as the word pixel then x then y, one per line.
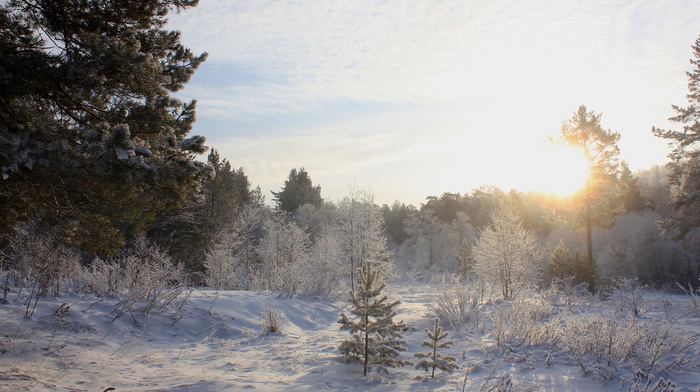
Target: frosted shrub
pixel 629 294
pixel 148 279
pixel 458 306
pixel 37 261
pixel 524 323
pixel 643 382
pixel 272 320
pixel 693 299
pixel 567 291
pixel 612 341
pixel 102 277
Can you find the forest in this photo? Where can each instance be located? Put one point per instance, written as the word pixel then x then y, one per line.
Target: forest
pixel 117 224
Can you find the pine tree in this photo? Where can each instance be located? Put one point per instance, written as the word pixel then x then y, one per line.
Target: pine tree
pixel 435 360
pixel 376 339
pixel 684 175
pixel 91 141
pixel 297 191
pixel 599 146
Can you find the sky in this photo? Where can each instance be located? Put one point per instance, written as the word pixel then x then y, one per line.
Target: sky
pixel 409 99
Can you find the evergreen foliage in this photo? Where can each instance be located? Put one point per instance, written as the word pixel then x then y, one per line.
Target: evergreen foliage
pixel 297 191
pixel 684 167
pixel 435 360
pixel 465 259
pixel 91 140
pixel 376 339
pixel 599 146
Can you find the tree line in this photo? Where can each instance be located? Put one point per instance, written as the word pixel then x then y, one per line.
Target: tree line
pixel 96 153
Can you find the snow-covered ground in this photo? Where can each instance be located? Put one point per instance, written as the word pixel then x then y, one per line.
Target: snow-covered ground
pixel 215 344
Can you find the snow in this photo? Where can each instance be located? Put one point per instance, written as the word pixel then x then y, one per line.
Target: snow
pixel 216 344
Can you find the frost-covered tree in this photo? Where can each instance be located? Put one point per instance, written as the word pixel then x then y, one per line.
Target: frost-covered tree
pixel 436 360
pixel 376 339
pixel 361 230
pixel 326 271
pixel 425 231
pixel 91 139
pixel 506 254
pixel 284 253
pixel 684 167
pixel 223 263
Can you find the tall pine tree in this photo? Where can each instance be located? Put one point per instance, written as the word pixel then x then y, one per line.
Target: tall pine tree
pixel 684 174
pixel 599 146
pixel 376 339
pixel 91 141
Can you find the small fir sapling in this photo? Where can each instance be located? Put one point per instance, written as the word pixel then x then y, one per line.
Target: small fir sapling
pixel 376 339
pixel 432 360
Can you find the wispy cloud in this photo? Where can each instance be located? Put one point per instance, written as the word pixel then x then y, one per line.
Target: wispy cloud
pixel 503 67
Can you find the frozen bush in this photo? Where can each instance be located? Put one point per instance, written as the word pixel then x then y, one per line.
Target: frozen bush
pixel 272 320
pixel 612 340
pixel 629 295
pixel 102 277
pixel 524 323
pixel 459 306
pixel 567 291
pixel 37 261
pixel 148 279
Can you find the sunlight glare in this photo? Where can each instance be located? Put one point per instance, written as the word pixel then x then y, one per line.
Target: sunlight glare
pixel 562 170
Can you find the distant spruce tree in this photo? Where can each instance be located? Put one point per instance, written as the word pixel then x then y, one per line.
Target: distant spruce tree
pixel 434 359
pixel 376 339
pixel 297 191
pixel 91 141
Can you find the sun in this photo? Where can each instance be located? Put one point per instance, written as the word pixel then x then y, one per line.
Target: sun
pixel 560 170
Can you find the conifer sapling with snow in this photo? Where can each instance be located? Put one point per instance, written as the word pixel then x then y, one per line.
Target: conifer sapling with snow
pixel 376 339
pixel 435 360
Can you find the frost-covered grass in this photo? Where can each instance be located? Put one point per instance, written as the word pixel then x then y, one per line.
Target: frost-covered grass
pixel 214 342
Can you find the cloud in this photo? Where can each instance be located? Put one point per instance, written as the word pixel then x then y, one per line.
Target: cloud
pixel 505 71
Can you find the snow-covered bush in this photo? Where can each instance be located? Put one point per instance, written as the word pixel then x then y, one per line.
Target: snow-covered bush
pixel 612 341
pixel 144 276
pixel 37 261
pixel 566 291
pixel 272 320
pixel 459 306
pixel 629 295
pixel 102 277
pixel 523 323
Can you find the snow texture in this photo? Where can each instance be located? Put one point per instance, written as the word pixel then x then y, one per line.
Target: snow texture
pixel 214 343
